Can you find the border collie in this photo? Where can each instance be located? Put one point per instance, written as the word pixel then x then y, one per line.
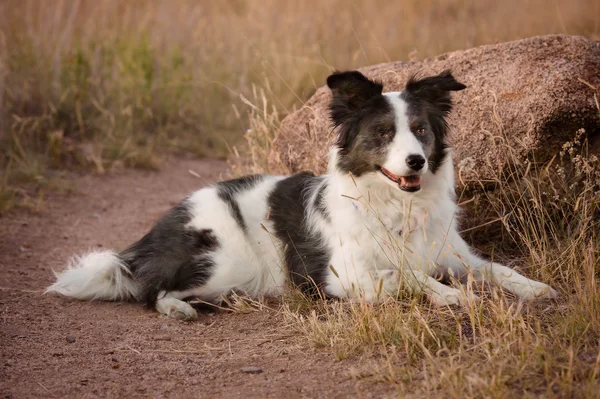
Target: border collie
pixel 382 219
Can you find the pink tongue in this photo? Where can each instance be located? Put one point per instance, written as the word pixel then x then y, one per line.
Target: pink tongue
pixel 410 181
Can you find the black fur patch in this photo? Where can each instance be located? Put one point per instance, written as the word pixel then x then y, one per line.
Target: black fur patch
pixel 364 119
pixel 429 104
pixel 171 257
pixel 352 92
pixel 228 189
pixel 306 257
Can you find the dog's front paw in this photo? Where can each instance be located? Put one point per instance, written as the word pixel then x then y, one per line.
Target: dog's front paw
pixel 536 290
pixel 452 296
pixel 447 298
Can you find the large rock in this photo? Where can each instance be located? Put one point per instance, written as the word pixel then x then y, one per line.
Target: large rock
pixel 531 92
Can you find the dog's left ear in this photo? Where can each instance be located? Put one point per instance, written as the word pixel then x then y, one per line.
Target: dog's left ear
pixel 435 90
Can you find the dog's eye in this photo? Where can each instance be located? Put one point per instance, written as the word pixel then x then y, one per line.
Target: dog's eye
pixel 420 131
pixel 383 133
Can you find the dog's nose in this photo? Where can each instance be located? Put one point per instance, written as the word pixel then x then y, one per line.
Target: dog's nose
pixel 415 162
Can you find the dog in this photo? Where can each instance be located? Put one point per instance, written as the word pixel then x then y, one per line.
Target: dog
pixel 383 219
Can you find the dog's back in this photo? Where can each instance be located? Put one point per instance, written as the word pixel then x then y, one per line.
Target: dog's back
pixel 237 235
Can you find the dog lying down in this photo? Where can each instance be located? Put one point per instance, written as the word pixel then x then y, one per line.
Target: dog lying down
pixel 382 219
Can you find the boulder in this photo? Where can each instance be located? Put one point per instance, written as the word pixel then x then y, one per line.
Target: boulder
pixel 532 95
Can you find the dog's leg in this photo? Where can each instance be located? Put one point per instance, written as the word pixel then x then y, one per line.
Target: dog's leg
pixel 461 261
pixel 439 294
pixel 370 286
pixel 512 281
pixel 169 305
pixel 388 282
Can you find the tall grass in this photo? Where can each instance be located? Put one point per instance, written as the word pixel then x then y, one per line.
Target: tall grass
pixel 101 84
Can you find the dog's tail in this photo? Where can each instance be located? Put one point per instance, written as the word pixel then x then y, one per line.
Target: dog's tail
pixel 97 275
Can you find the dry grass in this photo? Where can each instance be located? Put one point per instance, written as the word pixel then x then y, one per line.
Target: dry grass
pixel 112 83
pixel 547 222
pixel 102 84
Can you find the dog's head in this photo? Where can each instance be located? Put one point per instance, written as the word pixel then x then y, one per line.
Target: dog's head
pixel 398 135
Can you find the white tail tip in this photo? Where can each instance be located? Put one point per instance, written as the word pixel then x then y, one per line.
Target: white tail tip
pixel 96 275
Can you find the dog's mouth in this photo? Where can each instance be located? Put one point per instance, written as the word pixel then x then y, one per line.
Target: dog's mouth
pixel 405 183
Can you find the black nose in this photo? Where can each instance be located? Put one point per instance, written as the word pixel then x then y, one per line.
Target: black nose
pixel 415 162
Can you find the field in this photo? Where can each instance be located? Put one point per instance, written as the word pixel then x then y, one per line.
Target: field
pixel 102 85
pixel 93 88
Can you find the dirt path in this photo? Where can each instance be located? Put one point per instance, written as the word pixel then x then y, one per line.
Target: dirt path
pixel 56 347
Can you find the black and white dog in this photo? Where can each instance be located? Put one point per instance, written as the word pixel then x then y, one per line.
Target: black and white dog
pixel 382 219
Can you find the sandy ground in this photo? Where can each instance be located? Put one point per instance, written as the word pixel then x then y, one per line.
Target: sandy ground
pixel 57 347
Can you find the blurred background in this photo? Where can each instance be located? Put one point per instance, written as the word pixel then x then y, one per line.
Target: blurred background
pixel 98 85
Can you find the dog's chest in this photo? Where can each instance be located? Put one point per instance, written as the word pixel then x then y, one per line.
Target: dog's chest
pixel 390 239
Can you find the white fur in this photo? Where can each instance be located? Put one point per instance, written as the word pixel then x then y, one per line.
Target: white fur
pixel 404 144
pixel 368 212
pixel 168 305
pixel 247 263
pixel 368 215
pixel 94 276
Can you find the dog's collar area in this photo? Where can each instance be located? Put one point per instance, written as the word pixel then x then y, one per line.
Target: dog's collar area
pixel 410 184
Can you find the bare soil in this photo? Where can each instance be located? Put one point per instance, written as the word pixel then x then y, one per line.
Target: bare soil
pixel 57 347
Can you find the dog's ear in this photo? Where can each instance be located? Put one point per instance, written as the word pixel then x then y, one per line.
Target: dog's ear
pixel 351 90
pixel 435 90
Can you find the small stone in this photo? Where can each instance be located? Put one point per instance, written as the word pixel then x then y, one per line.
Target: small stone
pixel 251 370
pixel 71 339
